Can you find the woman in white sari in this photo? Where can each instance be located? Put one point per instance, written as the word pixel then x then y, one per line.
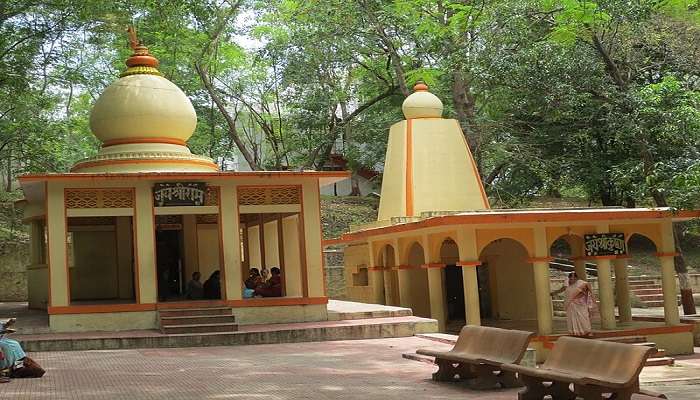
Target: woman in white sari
pixel 578 302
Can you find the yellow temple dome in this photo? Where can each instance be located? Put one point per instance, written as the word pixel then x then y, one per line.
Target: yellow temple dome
pixel 422 103
pixel 143 121
pixel 142 106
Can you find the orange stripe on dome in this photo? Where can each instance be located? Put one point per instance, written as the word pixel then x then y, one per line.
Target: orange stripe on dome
pixel 91 164
pixel 162 140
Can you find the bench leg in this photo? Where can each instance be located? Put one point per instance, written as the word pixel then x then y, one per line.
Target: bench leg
pixel 534 389
pixel 589 392
pixel 448 371
pixel 560 390
pixel 488 377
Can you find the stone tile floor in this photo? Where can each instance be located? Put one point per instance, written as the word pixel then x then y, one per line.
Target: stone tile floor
pixel 359 369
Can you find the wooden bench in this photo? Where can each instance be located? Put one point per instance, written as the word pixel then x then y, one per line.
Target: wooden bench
pixel 594 367
pixel 478 354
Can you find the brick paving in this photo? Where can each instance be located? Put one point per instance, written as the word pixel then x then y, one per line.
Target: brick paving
pixel 360 369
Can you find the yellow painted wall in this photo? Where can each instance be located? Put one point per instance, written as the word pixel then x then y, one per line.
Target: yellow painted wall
pixel 38 286
pixel 94 274
pixel 419 300
pixel 356 256
pixel 513 289
pixel 208 249
pixel 444 177
pixel 189 250
pixel 125 258
pixel 272 255
pixel 254 247
pixel 394 178
pixel 292 260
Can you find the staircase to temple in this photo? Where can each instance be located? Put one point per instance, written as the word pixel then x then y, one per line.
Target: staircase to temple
pixel 647 291
pixel 658 357
pixel 197 320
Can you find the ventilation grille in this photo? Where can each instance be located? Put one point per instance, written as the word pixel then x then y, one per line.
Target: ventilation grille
pixel 269 196
pixel 99 198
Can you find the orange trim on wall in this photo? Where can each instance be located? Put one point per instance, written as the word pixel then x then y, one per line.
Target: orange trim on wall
pixel 100 308
pixel 468 263
pixel 90 164
pixel 186 175
pixel 164 140
pixel 409 167
pixel 434 265
pixel 668 254
pixel 379 268
pixel 190 304
pixel 277 301
pixel 401 267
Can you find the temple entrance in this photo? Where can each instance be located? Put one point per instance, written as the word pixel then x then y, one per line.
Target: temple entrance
pixel 454 293
pixel 187 257
pixel 171 279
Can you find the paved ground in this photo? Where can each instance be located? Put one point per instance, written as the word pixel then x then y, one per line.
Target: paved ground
pixel 361 369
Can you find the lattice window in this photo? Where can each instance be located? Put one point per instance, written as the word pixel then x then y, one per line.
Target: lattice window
pixel 212 196
pixel 207 219
pixel 99 198
pixel 266 196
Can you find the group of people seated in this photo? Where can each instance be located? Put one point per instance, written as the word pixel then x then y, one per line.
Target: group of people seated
pixel 258 285
pixel 210 289
pixel 14 362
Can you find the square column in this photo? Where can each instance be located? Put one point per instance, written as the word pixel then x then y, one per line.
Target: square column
pixel 670 291
pixel 469 260
pixel 605 293
pixel 622 290
pixel 580 269
pixel 230 240
pixel 436 285
pixel 59 289
pixel 543 299
pixel 145 244
pixel 376 276
pixel 404 287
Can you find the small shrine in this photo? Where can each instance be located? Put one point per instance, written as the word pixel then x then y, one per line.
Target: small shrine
pixel 120 236
pixel 438 248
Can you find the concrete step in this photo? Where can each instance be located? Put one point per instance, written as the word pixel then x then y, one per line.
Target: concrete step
pixel 658 353
pixel 199 328
pixel 644 286
pixel 180 312
pixel 641 292
pixel 376 328
pixel 650 297
pixel 625 339
pixel 654 362
pixel 398 312
pixel 196 319
pixel 419 358
pixel 641 281
pixel 657 303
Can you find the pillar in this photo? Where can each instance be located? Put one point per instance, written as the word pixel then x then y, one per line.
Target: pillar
pixel 605 294
pixel 403 277
pixel 376 276
pixel 145 244
pixel 668 273
pixel 580 269
pixel 668 284
pixel 469 256
pixel 59 290
pixel 622 290
pixel 540 271
pixel 231 243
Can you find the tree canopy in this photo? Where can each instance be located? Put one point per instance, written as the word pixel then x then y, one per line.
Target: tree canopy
pixel 557 98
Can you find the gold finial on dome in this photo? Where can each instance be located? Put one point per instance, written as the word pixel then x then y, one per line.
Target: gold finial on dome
pixel 141 61
pixel 422 103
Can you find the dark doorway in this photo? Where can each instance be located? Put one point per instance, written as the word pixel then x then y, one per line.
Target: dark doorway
pixel 169 265
pixel 454 291
pixel 482 278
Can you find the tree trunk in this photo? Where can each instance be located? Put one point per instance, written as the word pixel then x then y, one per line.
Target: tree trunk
pixel 355 182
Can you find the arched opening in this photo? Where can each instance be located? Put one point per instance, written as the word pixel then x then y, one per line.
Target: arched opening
pixel 642 264
pixel 391 280
pixel 454 285
pixel 506 284
pixel 563 251
pixel 417 278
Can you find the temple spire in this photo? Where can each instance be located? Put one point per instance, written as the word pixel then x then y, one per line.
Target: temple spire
pixel 141 60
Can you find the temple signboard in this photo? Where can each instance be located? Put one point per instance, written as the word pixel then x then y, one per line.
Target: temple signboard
pixel 169 194
pixel 605 244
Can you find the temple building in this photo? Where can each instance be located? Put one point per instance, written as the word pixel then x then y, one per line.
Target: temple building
pixel 438 248
pixel 119 236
